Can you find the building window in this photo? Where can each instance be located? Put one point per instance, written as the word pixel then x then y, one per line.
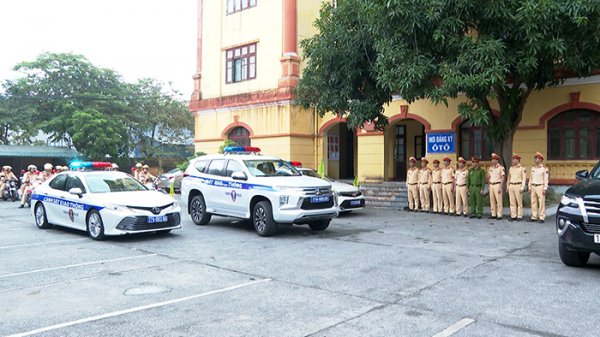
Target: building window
pixel 241 63
pixel 239 5
pixel 241 136
pixel 574 134
pixel 473 142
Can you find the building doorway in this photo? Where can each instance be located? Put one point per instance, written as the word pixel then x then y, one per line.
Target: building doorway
pixel 404 139
pixel 340 146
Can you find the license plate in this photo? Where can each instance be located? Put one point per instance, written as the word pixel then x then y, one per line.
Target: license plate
pixel 316 200
pixel 155 219
pixel 355 203
pixel 596 238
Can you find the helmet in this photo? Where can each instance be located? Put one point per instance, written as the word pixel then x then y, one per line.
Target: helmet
pixel 146 166
pixel 58 168
pixel 138 165
pixel 31 167
pixel 9 167
pixel 48 167
pixel 115 166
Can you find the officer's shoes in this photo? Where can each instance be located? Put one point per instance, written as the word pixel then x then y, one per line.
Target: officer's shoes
pixel 499 218
pixel 541 221
pixel 471 216
pixel 22 206
pixel 479 217
pixel 531 220
pixel 466 215
pixel 491 217
pixel 512 219
pixel 519 219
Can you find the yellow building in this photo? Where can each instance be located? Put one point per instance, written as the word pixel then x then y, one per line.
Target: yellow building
pixel 249 62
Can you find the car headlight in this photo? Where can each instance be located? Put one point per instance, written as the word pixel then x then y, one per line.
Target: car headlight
pixel 118 208
pixel 283 199
pixel 174 204
pixel 567 200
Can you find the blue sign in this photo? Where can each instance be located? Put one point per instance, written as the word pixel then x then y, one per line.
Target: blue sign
pixel 443 142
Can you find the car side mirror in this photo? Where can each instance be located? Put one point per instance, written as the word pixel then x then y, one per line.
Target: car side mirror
pixel 580 175
pixel 77 191
pixel 239 176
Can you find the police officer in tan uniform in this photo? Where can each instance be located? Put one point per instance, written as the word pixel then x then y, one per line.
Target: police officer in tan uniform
pixel 425 182
pixel 436 187
pixel 29 179
pixel 517 176
pixel 460 177
pixel 6 175
pixel 448 187
pixel 412 182
pixel 47 174
pixel 496 181
pixel 538 185
pixel 145 176
pixel 138 170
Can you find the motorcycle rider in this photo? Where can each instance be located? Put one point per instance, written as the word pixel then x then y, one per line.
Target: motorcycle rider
pixel 138 170
pixel 115 167
pixel 6 175
pixel 29 178
pixel 47 174
pixel 146 177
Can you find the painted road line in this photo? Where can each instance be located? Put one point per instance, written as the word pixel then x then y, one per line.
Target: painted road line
pixel 136 309
pixel 77 265
pixel 454 327
pixel 41 243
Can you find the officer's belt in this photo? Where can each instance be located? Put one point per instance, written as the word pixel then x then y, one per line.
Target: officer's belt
pixel 515 183
pixel 461 185
pixel 537 184
pixel 412 183
pixel 437 182
pixel 495 183
pixel 475 185
pixel 447 183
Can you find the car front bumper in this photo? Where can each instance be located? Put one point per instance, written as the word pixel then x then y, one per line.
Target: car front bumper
pixel 118 223
pixel 347 204
pixel 575 233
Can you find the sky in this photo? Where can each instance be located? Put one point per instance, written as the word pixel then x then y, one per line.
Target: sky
pixel 136 38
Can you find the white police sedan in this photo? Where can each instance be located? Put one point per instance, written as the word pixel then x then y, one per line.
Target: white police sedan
pixel 103 203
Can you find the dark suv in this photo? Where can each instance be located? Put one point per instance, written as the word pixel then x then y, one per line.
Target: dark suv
pixel 578 219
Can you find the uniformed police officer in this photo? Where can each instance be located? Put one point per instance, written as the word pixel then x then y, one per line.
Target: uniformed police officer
pixel 538 185
pixel 475 185
pixel 436 187
pixel 460 177
pixel 425 182
pixel 115 167
pixel 7 175
pixel 496 176
pixel 412 181
pixel 146 177
pixel 29 179
pixel 47 174
pixel 517 176
pixel 448 187
pixel 138 170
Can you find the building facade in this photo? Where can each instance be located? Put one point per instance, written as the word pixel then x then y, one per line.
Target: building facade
pixel 249 62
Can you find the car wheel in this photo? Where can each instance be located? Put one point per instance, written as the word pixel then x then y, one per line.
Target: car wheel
pixel 198 211
pixel 95 226
pixel 14 196
pixel 320 225
pixel 262 218
pixel 572 258
pixel 40 217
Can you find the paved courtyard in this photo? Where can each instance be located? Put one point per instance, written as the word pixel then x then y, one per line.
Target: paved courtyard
pixel 372 273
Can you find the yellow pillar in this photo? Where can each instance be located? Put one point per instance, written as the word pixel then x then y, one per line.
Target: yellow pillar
pixel 371 158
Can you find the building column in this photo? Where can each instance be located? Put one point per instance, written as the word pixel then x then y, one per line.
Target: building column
pixel 290 61
pixel 197 94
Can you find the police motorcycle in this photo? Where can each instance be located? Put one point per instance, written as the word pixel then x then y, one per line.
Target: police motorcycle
pixel 30 186
pixel 10 190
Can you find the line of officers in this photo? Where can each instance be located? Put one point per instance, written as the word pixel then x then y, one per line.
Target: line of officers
pixel 455 190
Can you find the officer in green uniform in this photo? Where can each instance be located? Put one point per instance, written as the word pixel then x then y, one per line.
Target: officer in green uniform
pixel 475 185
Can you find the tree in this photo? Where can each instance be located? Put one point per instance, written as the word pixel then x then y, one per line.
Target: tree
pixel 68 95
pixel 158 119
pixel 15 122
pixel 490 51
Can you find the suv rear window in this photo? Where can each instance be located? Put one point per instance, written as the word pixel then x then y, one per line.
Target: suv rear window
pixel 201 165
pixel 216 167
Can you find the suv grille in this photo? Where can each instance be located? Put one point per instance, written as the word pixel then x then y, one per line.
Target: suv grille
pixel 317 191
pixel 590 228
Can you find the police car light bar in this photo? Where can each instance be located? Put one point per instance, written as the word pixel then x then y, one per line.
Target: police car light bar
pixel 231 149
pixel 86 164
pixel 296 163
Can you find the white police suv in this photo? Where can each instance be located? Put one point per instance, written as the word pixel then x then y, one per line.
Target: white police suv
pixel 241 183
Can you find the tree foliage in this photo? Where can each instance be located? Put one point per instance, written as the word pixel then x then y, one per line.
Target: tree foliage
pixel 70 99
pixel 489 51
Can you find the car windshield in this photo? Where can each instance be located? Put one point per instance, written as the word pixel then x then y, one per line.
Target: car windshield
pixel 103 183
pixel 315 174
pixel 270 168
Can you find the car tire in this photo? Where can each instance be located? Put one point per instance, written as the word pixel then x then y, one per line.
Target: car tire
pixel 95 226
pixel 572 258
pixel 262 219
pixel 41 220
pixel 198 211
pixel 320 225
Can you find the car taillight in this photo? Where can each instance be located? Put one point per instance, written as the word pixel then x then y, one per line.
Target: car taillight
pixel 186 175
